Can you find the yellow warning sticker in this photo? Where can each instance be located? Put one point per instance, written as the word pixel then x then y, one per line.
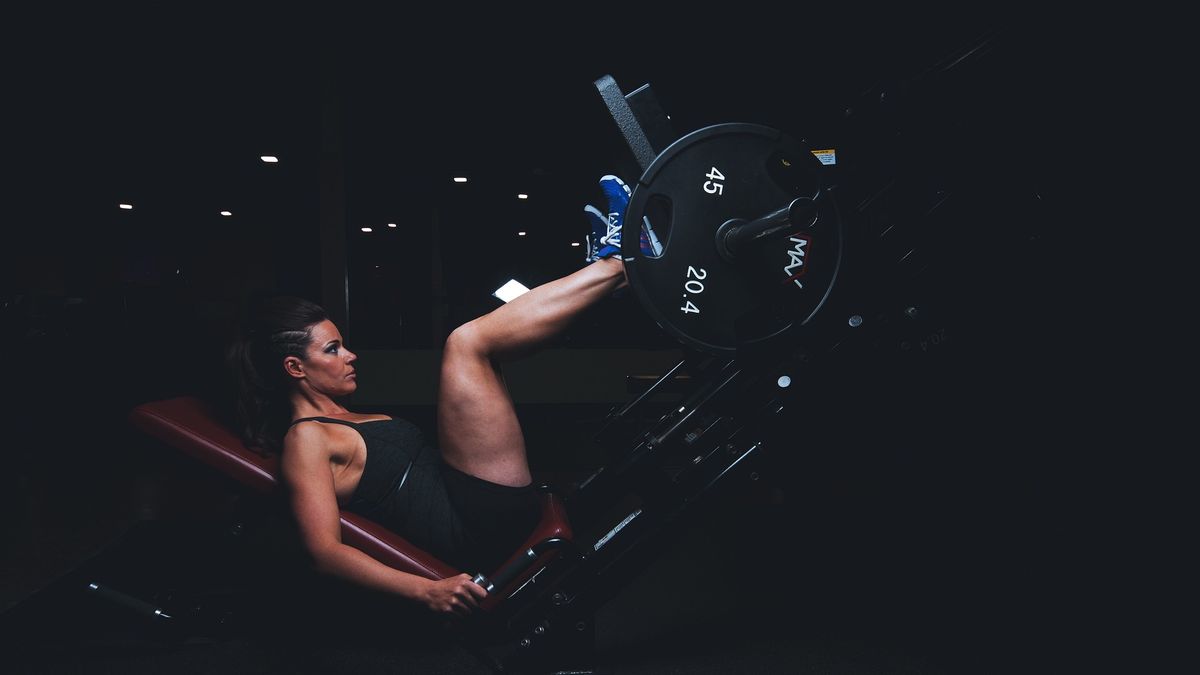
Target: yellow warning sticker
pixel 826 156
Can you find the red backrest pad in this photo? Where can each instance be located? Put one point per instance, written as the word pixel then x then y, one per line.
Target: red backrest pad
pixel 188 424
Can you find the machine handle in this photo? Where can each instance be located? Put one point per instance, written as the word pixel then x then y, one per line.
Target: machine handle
pixel 505 575
pixel 128 601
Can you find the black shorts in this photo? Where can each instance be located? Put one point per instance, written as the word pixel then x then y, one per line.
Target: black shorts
pixel 496 519
pixel 467 522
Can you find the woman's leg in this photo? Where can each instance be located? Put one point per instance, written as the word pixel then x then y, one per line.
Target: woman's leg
pixel 478 431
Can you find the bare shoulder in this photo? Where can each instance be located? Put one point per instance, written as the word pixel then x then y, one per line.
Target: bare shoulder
pixel 307 440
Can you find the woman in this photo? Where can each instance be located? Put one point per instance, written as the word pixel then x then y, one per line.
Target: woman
pixel 468 500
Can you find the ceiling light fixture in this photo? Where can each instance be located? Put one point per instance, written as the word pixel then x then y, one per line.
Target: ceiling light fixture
pixel 460 179
pixel 269 159
pixel 126 206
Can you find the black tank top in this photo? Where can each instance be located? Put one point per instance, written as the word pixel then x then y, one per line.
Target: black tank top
pixel 405 486
pixel 393 446
pixel 402 487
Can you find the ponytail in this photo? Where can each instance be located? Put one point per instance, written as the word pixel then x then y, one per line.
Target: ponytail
pixel 274 329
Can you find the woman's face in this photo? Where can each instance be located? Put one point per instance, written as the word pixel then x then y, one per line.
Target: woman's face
pixel 328 366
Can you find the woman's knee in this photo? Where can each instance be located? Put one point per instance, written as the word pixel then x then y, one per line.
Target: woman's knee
pixel 467 341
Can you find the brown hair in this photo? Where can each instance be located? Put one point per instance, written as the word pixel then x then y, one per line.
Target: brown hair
pixel 274 328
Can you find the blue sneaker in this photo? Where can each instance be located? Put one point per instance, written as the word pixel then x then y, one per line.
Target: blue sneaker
pixel 605 239
pixel 597 247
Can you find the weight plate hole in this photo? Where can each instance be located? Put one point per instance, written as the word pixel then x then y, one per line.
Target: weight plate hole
pixel 659 215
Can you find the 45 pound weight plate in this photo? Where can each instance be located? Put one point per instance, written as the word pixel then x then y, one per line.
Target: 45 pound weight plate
pixel 751 238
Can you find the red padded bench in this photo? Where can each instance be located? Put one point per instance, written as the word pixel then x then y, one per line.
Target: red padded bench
pixel 188 424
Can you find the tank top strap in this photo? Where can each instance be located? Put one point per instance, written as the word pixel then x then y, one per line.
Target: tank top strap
pixel 322 419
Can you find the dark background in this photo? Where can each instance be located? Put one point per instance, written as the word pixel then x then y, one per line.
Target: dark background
pixel 950 496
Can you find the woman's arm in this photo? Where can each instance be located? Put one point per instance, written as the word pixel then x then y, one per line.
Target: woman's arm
pixel 308 477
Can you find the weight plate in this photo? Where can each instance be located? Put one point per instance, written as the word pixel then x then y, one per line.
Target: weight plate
pixel 701 181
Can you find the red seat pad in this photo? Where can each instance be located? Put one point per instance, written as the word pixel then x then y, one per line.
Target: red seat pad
pixel 188 424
